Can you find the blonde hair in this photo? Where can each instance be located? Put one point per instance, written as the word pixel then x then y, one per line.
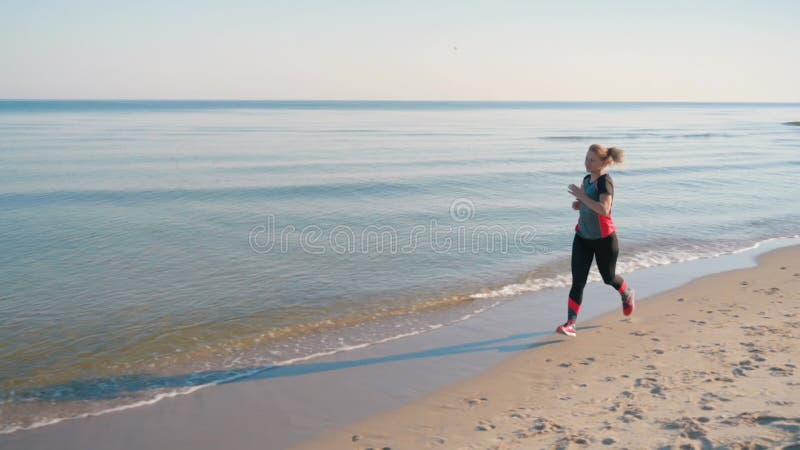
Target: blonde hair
pixel 610 155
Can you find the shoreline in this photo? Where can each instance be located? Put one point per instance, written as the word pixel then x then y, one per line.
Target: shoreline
pixel 713 362
pixel 296 403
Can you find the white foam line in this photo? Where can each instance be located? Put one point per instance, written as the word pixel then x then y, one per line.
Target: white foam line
pixel 758 244
pixel 193 389
pixel 643 260
pixel 155 399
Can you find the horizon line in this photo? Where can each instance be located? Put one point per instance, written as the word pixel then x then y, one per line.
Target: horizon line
pixel 121 99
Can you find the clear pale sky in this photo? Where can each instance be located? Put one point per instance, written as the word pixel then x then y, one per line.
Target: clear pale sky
pixel 402 50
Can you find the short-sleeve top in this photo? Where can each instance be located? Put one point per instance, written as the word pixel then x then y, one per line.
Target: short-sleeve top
pixel 590 224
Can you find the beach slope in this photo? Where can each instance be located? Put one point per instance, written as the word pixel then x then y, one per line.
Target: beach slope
pixel 711 364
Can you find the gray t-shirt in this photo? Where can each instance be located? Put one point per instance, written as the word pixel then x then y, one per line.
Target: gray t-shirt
pixel 590 224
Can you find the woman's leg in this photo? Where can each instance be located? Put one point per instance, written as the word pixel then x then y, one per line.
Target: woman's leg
pixel 582 255
pixel 606 253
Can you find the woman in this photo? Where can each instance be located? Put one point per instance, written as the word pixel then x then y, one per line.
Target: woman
pixel 595 233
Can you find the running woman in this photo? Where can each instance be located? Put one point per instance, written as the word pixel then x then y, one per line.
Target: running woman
pixel 595 233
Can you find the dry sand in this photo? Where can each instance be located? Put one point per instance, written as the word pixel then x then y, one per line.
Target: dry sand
pixel 712 364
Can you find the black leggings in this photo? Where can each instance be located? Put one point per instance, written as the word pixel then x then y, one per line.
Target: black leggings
pixel 605 250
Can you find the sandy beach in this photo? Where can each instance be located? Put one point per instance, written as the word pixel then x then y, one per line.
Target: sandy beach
pixel 712 364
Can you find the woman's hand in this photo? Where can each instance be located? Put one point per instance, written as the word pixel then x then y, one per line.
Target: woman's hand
pixel 576 205
pixel 577 191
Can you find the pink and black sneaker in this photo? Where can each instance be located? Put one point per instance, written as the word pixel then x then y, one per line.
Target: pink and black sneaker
pixel 628 302
pixel 568 329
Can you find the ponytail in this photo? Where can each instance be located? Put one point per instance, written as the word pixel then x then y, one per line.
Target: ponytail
pixel 614 154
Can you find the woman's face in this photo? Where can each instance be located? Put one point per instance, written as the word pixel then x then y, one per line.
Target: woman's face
pixel 593 162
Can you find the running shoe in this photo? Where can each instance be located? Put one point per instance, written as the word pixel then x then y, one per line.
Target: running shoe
pixel 628 302
pixel 568 329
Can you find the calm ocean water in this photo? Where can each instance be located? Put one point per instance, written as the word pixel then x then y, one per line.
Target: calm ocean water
pixel 148 248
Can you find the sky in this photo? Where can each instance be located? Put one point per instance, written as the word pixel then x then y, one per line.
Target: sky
pixel 697 51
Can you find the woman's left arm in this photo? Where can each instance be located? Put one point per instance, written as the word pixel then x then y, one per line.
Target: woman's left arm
pixel 603 207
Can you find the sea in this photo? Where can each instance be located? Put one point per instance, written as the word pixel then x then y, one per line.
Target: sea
pixel 152 248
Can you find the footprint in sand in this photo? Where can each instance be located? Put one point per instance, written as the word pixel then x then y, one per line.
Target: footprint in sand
pixel 708 397
pixel 520 413
pixel 476 401
pixel 717 397
pixel 739 372
pixel 627 394
pixel 437 441
pixel 779 402
pixel 771 291
pixel 566 441
pixel 742 366
pixel 788 425
pixel 485 425
pixel 756 354
pixel 689 427
pixel 704 403
pixel 647 383
pixel 539 426
pixel 780 372
pixel 632 414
